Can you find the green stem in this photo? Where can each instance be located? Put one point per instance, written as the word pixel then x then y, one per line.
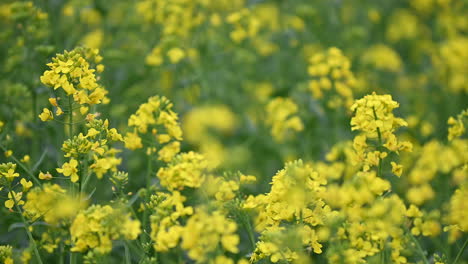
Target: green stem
pixel 148 184
pixel 460 253
pixel 379 134
pixel 26 225
pixel 418 246
pixel 73 258
pixel 62 259
pixel 35 140
pixel 127 254
pixel 85 182
pixel 249 231
pixel 83 171
pixel 70 116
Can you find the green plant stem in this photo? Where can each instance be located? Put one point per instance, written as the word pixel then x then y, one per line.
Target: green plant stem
pixel 85 182
pixel 26 226
pixel 418 246
pixel 62 259
pixel 460 253
pixel 127 254
pixel 73 258
pixel 136 249
pixel 70 116
pixel 379 135
pixel 249 230
pixel 145 213
pixel 29 173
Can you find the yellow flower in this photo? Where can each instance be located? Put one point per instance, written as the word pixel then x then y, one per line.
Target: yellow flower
pixel 185 170
pixel 25 159
pixel 52 204
pixel 46 115
pixel 169 151
pixel 45 176
pixel 92 132
pixel 205 231
pixel 26 184
pixel 59 111
pixel 8 153
pixel 84 110
pixel 12 198
pixel 457 127
pixel 53 101
pixel 97 226
pixel 132 141
pixel 397 169
pixel 282 117
pixel 69 169
pixel 175 55
pixel 10 174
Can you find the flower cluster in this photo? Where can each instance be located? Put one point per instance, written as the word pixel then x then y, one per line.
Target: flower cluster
pixel 6 253
pixel 177 20
pixel 374 118
pixel 295 199
pixel 332 78
pixel 94 148
pixel 383 58
pixel 458 213
pixel 281 116
pixel 52 204
pixel 204 125
pixel 155 116
pixel 73 72
pixel 452 65
pixel 259 88
pixel 205 232
pixel 96 227
pixel 166 228
pixel 185 170
pixel 457 126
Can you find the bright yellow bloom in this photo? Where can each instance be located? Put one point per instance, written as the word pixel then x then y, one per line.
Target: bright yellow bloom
pixel 45 176
pixel 282 117
pixel 457 126
pixel 175 55
pixel 26 184
pixel 185 170
pixel 52 204
pixel 46 115
pixel 132 141
pixel 204 232
pixel 10 174
pixel 97 226
pixel 14 198
pixel 397 169
pixel 70 169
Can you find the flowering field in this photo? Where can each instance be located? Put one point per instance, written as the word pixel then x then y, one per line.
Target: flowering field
pixel 234 131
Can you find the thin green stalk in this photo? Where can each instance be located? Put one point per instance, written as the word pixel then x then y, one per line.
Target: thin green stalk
pixel 62 257
pixel 148 184
pixel 70 116
pixel 73 259
pixel 85 182
pixel 26 225
pixel 35 140
pixel 418 247
pixel 379 134
pixel 460 253
pixel 136 249
pixel 249 231
pixel 127 254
